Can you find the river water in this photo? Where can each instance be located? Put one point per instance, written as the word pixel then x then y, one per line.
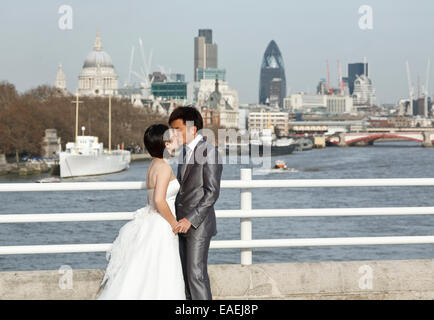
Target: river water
pixel 382 160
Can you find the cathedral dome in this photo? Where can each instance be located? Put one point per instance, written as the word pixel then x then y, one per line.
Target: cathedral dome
pixel 98 56
pixel 98 76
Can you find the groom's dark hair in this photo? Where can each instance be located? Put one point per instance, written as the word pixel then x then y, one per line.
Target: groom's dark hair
pixel 155 139
pixel 187 113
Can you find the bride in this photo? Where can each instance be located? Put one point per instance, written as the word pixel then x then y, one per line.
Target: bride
pixel 144 259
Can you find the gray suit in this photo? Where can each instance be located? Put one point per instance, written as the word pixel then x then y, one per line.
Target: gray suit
pixel 200 188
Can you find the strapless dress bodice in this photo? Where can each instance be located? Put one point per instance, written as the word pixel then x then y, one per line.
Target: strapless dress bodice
pixel 172 191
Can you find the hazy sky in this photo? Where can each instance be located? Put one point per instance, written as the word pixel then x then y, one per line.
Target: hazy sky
pixel 307 32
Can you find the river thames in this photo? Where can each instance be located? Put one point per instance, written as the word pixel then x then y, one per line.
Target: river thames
pixel 382 160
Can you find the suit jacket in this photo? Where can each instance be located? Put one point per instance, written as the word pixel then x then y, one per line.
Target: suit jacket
pixel 200 189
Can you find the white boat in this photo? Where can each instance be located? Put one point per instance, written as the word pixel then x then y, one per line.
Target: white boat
pixel 87 157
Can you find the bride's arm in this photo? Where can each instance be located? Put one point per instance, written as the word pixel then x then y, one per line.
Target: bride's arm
pixel 162 182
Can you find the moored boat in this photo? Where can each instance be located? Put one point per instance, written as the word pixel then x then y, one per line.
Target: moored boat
pixel 87 157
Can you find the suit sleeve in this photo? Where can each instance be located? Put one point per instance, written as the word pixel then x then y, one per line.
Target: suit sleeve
pixel 212 171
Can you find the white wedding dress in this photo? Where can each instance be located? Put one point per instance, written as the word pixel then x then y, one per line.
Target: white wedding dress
pixel 144 259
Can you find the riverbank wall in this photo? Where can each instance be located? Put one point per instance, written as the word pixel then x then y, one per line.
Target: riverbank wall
pixel 385 279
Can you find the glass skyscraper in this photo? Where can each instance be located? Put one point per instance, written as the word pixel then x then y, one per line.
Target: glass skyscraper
pixel 354 70
pixel 272 82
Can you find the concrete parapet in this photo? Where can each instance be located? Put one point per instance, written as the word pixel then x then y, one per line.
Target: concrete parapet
pixel 427 142
pixel 319 142
pixel 395 279
pixel 387 279
pixel 342 142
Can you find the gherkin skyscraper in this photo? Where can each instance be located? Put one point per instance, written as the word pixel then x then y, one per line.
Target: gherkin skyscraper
pixel 272 81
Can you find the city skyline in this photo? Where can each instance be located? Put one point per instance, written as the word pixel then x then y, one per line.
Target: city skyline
pixel 33 45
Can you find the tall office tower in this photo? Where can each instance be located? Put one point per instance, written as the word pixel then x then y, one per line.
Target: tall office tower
pixel 211 55
pixel 272 67
pixel 355 70
pixel 205 52
pixel 207 34
pixel 199 55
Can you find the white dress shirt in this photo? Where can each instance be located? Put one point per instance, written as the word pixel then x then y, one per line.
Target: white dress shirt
pixel 191 146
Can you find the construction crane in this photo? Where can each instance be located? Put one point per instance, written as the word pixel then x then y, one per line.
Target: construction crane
pixel 130 67
pixel 144 75
pixel 410 88
pixel 328 79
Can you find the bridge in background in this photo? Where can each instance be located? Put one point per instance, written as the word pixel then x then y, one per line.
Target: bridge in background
pixel 425 136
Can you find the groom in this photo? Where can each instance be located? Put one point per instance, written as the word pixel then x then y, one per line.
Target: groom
pixel 199 174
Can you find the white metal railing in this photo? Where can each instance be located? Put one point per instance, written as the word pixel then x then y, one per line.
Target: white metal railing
pixel 245 214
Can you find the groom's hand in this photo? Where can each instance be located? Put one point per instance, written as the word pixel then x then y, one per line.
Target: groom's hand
pixel 183 225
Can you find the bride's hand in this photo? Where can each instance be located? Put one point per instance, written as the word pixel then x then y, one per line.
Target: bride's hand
pixel 174 225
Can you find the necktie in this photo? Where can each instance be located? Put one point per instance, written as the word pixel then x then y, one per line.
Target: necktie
pixel 185 154
pixel 184 161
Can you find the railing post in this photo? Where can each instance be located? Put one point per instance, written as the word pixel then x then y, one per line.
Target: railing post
pixel 246 223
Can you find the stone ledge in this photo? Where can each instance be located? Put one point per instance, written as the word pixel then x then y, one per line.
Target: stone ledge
pixel 391 279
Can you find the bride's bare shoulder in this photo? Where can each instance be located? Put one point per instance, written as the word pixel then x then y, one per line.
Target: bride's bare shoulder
pixel 162 167
pixel 159 170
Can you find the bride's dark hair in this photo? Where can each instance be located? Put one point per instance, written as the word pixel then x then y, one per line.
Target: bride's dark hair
pixel 155 138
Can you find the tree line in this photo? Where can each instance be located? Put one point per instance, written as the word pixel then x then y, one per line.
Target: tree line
pixel 25 116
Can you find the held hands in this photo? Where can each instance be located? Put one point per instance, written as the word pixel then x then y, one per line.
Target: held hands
pixel 182 226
